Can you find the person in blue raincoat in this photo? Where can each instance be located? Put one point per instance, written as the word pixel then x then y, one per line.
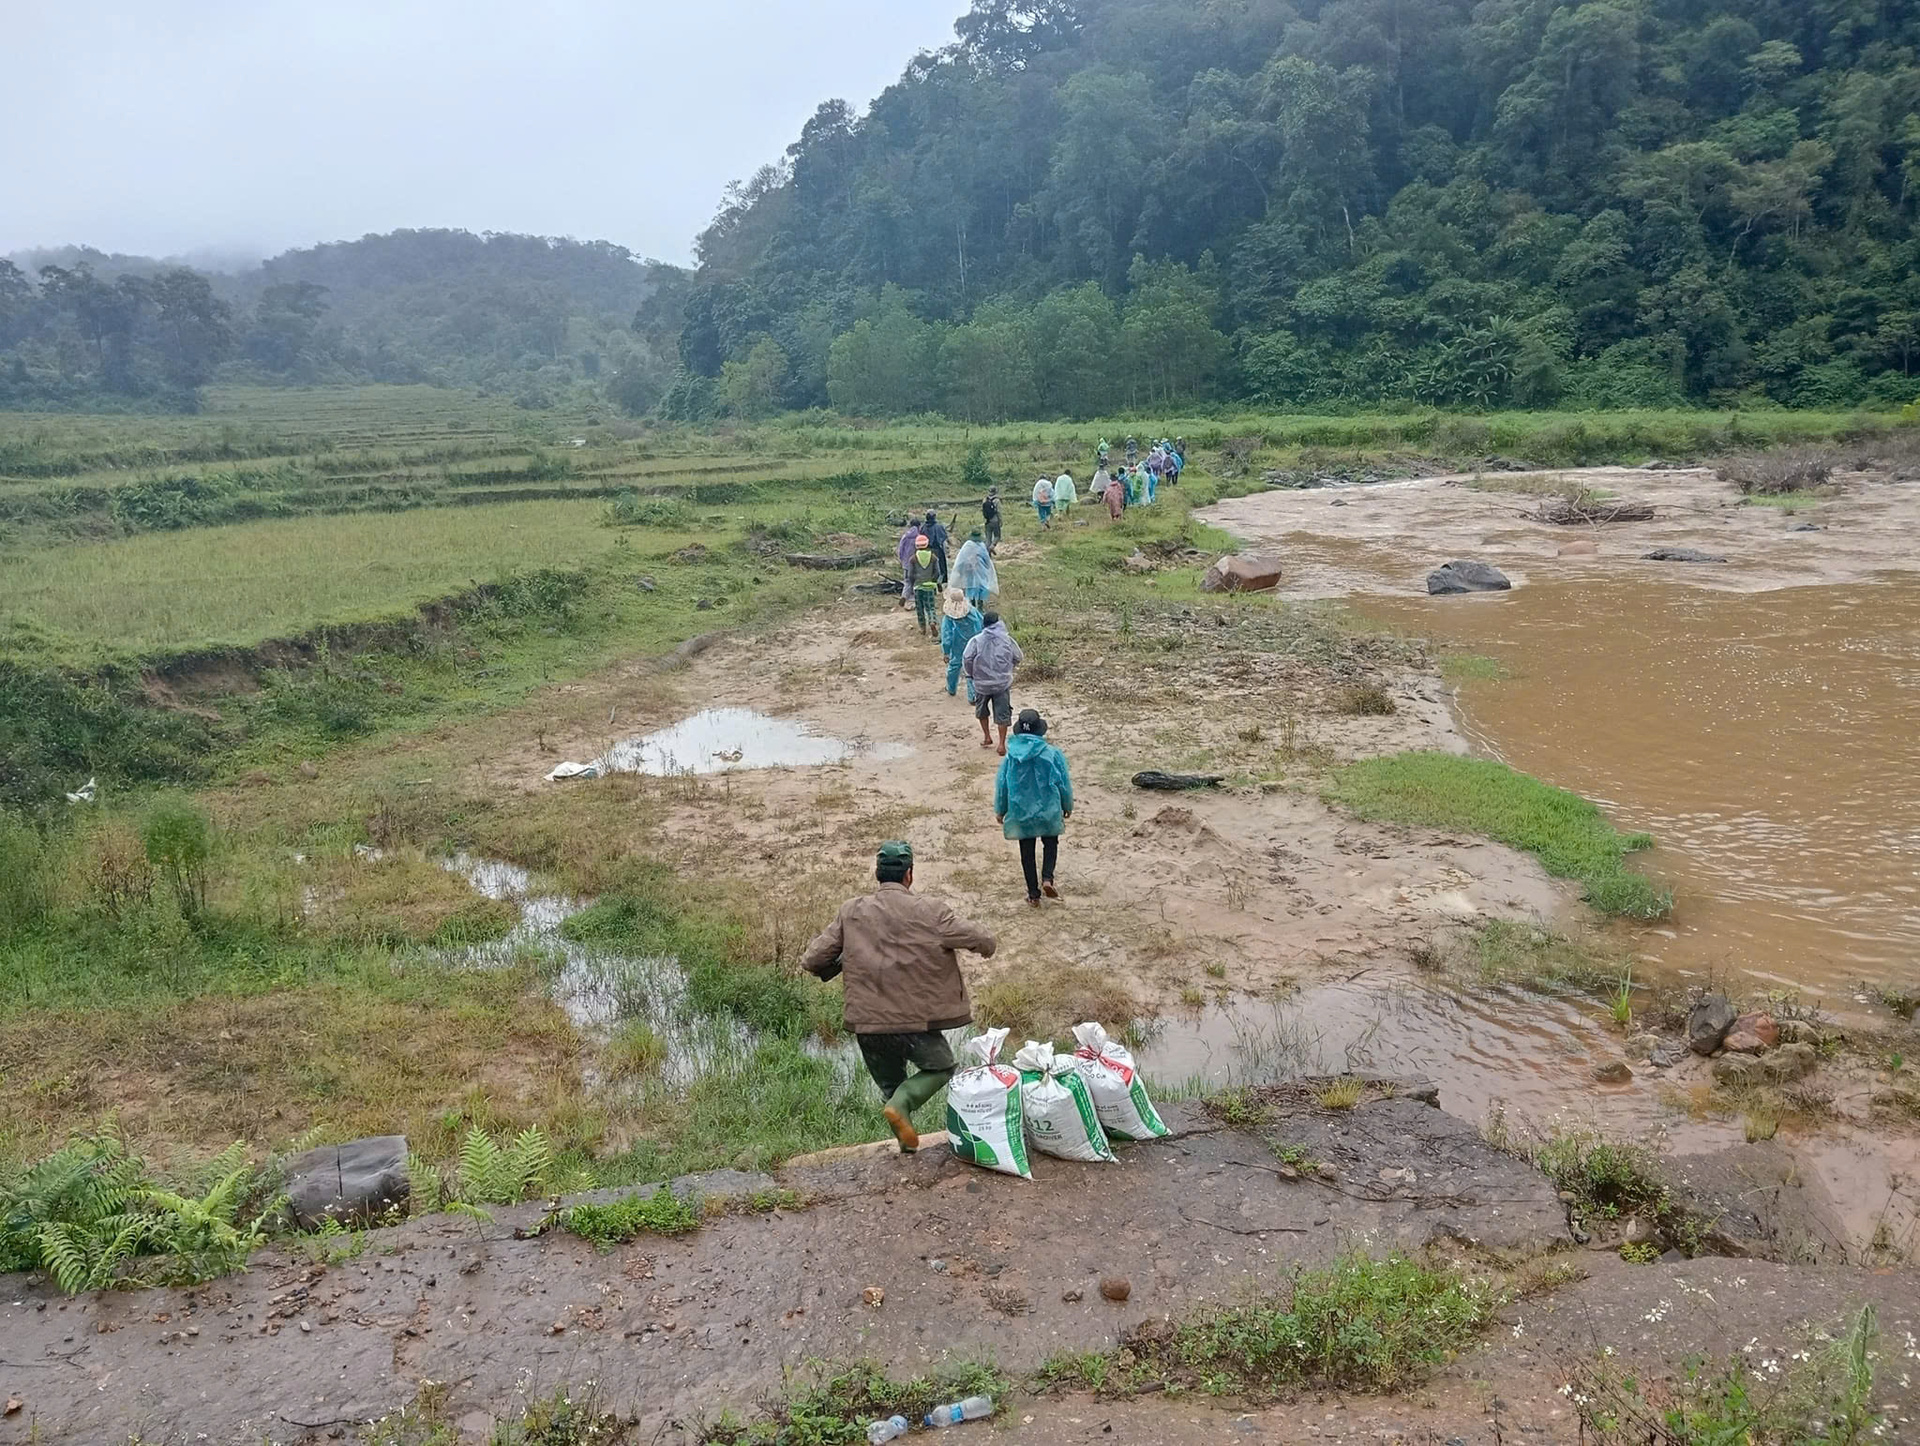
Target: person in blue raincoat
pixel 973 570
pixel 1032 800
pixel 959 626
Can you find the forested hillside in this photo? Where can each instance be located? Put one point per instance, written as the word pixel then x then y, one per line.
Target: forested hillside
pixel 527 316
pixel 1085 205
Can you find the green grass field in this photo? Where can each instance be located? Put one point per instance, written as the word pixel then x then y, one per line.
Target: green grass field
pixel 239 584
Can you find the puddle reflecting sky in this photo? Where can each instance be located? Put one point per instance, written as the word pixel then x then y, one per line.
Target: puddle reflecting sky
pixel 716 740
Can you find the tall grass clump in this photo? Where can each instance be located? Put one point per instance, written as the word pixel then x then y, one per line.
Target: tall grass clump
pixel 1359 1325
pixel 1568 834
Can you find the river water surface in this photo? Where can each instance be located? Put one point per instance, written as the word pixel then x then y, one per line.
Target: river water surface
pixel 1770 741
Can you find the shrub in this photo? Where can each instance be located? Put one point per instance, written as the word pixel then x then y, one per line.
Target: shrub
pixel 87 1211
pixel 630 509
pixel 1779 472
pixel 179 844
pixel 975 470
pixel 1365 700
pixel 490 1172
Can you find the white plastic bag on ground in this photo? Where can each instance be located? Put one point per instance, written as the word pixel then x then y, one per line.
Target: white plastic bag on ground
pixel 984 1121
pixel 1118 1096
pixel 1061 1119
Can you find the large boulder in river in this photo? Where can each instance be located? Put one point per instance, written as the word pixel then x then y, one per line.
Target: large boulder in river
pixel 358 1181
pixel 1247 572
pixel 1467 577
pixel 1709 1022
pixel 1680 554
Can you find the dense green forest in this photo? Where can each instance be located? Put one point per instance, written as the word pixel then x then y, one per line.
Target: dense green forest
pixel 1090 205
pixel 531 317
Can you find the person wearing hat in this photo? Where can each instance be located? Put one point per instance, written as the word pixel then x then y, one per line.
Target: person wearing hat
pixel 960 626
pixel 974 572
pixel 924 572
pixel 990 515
pixel 1032 800
pixel 895 950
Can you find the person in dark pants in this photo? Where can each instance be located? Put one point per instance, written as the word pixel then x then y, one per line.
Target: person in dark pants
pixel 990 513
pixel 903 986
pixel 923 576
pixel 1032 800
pixel 936 531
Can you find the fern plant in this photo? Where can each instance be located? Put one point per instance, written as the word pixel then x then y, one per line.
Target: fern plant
pixel 88 1210
pixel 90 1182
pixel 203 1238
pixel 492 1172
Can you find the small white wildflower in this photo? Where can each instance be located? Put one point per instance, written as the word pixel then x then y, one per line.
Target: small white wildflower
pixel 1771 1367
pixel 1748 1347
pixel 1567 1390
pixel 1606 1350
pixel 1518 1327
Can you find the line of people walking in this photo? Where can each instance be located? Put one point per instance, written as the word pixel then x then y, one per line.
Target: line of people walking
pixel 1135 483
pixel 1033 791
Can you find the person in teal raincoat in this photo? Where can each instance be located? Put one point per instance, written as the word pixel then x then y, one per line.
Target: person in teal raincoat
pixel 1033 799
pixel 960 626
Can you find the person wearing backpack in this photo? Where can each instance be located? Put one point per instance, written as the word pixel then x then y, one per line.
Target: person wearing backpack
pixel 1032 800
pixel 990 515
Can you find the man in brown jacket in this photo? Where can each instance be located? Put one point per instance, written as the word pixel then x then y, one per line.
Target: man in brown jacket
pixel 903 985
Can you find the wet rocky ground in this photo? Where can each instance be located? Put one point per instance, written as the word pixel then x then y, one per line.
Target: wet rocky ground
pixel 970 1266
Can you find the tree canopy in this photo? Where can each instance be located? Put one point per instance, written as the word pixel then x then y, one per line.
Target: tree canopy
pixel 1084 205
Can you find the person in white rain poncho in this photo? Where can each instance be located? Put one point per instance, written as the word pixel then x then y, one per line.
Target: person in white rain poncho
pixel 973 571
pixel 1064 495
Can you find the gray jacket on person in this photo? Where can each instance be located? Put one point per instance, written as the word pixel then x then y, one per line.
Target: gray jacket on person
pixel 990 660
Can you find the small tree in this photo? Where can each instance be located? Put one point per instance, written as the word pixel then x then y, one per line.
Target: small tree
pixel 974 471
pixel 179 840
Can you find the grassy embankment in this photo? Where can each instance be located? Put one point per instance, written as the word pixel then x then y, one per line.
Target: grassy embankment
pixel 294 987
pixel 1570 836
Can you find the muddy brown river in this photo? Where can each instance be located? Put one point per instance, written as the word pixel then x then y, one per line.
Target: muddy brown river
pixel 1760 718
pixel 1769 741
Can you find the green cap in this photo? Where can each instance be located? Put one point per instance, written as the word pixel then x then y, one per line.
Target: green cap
pixel 896 852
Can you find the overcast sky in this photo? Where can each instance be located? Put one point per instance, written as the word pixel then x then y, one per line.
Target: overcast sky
pixel 167 126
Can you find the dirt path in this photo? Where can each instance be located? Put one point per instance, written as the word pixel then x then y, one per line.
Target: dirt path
pixel 1233 889
pixel 973 1265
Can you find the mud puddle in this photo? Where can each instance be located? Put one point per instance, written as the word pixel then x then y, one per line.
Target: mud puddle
pixel 716 740
pixel 1767 740
pixel 1527 1056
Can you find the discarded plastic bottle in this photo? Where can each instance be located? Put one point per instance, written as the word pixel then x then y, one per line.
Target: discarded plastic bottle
pixel 971 1409
pixel 886 1430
